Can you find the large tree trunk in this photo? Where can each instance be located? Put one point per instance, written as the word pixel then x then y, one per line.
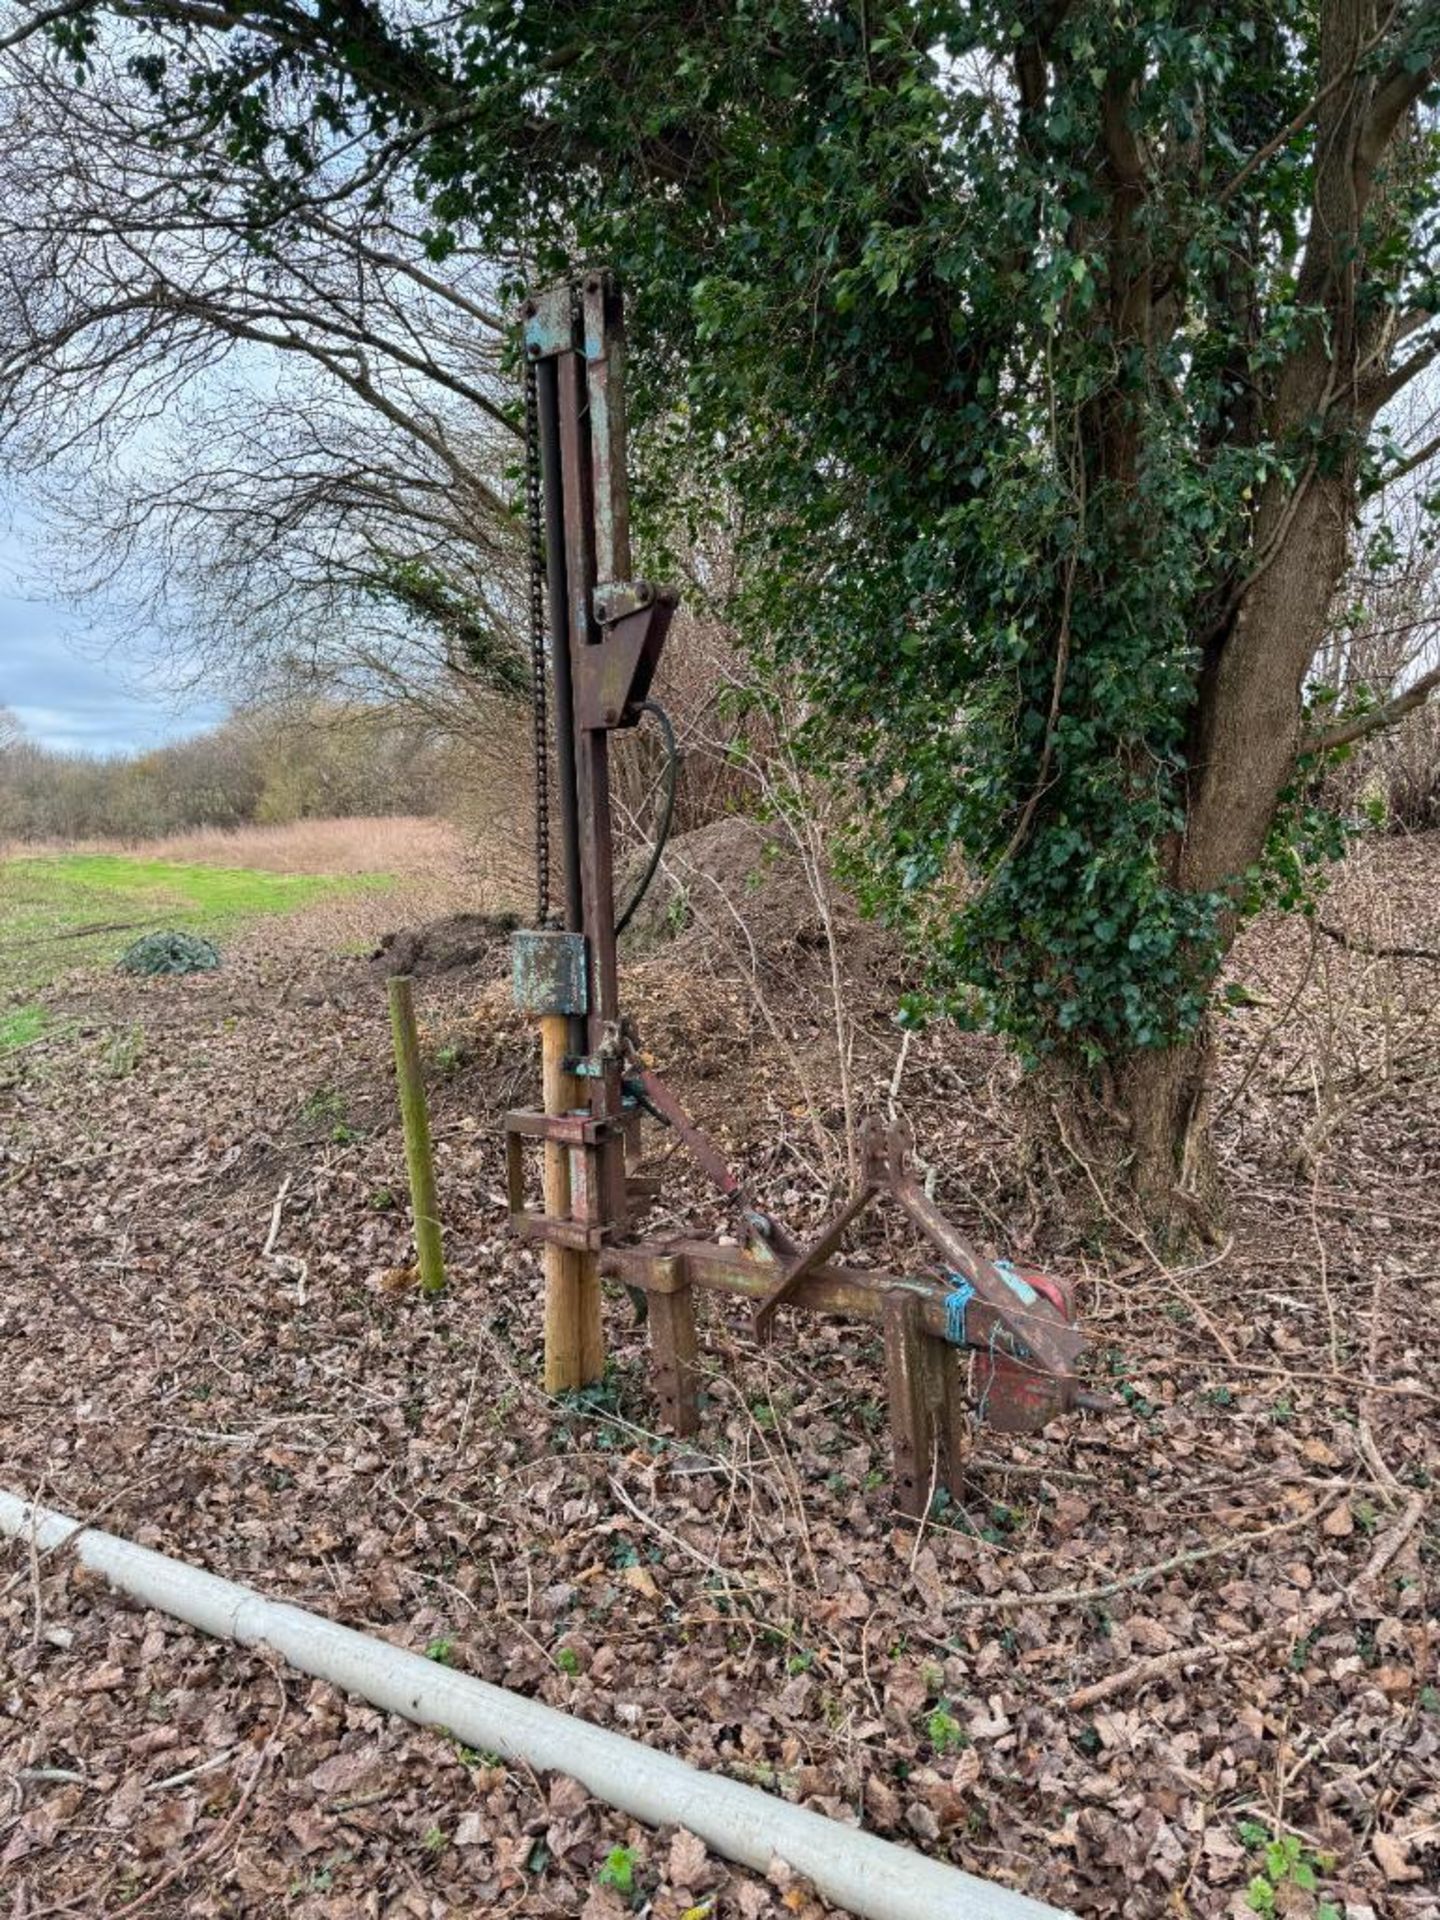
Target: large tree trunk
pixel 1251 701
pixel 1164 1098
pixel 1135 1156
pixel 1143 1135
pixel 1147 1124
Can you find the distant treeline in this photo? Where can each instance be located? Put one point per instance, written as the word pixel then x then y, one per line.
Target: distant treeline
pixel 322 762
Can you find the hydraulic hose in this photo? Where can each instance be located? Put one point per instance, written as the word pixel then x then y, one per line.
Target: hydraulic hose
pixel 667 814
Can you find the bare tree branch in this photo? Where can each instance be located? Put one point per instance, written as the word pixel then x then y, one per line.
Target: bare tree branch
pixel 1398 88
pixel 281 439
pixel 1371 952
pixel 39 21
pixel 1412 462
pixel 1389 714
pixel 1394 383
pixel 1302 119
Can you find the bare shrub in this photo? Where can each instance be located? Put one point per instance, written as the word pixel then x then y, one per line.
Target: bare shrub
pixel 1386 642
pixel 490 798
pixel 402 844
pixel 1397 774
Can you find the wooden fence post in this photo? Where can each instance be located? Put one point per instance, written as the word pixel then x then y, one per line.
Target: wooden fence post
pixel 419 1153
pixel 574 1336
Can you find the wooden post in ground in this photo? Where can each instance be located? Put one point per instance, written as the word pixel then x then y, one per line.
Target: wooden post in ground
pixel 419 1153
pixel 574 1336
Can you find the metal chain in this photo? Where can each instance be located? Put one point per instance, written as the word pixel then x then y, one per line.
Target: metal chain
pixel 538 663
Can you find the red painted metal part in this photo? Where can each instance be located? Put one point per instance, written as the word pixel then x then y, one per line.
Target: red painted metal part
pixel 1014 1395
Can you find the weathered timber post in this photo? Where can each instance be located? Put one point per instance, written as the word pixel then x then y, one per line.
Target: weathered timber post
pixel 419 1152
pixel 574 1337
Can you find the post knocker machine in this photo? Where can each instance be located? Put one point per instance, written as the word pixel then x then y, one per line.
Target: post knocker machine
pixel 606 630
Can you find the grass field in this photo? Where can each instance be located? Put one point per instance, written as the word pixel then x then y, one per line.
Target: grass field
pixel 84 909
pixel 399 844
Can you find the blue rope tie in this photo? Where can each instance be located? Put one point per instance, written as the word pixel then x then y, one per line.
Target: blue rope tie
pixel 1021 1288
pixel 956 1306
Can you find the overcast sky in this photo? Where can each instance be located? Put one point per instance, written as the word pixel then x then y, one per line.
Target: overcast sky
pixel 67 688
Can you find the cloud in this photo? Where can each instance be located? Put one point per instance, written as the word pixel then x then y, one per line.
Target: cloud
pixel 67 697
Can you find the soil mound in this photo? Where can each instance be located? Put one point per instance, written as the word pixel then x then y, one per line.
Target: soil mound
pixel 726 874
pixel 734 884
pixel 457 943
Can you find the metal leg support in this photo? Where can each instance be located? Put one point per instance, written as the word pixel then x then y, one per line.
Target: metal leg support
pixel 927 1412
pixel 674 1349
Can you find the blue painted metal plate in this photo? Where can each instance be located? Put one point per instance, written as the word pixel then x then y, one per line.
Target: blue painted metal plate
pixel 549 973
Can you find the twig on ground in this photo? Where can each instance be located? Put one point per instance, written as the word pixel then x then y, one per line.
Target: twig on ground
pixel 1080 1596
pixel 277 1213
pixel 1134 1233
pixel 212 1846
pixel 1403 1388
pixel 465 1416
pixel 192 1773
pixel 507 1612
pixel 78 933
pixel 1323 1267
pixel 674 1539
pixel 1364 1432
pixel 1280 1020
pixel 1296 1625
pixel 898 1075
pixel 923 1521
pixel 1343 939
pixel 37 1610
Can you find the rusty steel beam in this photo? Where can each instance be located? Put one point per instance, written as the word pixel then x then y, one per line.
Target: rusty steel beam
pixel 929 1427
pixel 592 754
pixel 557 601
pixel 702 1149
pixel 674 1347
pixel 603 325
pixel 1038 1330
pixel 815 1255
pixel 849 1293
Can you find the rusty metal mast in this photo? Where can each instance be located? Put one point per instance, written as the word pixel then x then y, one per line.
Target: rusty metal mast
pixel 607 630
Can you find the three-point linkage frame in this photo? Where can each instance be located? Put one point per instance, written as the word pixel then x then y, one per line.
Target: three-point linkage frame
pixel 607 630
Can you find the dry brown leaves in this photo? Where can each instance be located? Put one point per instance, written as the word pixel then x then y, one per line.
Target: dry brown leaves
pixel 255 1397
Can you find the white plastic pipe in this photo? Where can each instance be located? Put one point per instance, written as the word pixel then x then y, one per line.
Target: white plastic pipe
pixel 853 1869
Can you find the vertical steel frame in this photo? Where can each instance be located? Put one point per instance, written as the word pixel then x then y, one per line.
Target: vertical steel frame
pixel 575 335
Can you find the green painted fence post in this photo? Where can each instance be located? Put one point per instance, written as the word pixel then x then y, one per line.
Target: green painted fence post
pixel 419 1154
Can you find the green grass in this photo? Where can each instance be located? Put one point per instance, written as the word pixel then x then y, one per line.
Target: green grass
pixel 84 909
pixel 20 1026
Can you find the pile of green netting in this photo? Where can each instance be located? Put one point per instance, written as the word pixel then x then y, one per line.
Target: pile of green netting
pixel 170 953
